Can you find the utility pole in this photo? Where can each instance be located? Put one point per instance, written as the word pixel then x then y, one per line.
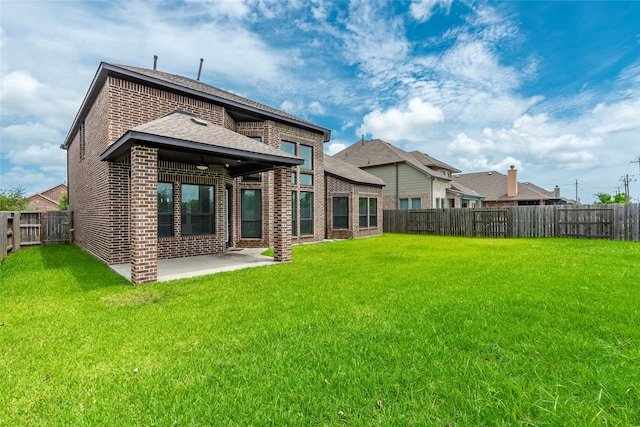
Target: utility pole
pixel 577 199
pixel 625 180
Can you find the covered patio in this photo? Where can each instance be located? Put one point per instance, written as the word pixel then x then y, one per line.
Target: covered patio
pixel 221 154
pixel 182 268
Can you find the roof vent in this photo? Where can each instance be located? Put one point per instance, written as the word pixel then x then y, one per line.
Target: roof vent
pixel 199 121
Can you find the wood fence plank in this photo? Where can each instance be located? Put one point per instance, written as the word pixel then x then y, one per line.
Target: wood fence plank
pixel 617 222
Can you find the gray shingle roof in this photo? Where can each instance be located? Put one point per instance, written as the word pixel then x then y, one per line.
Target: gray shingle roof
pixel 183 130
pixel 432 162
pixel 208 89
pixel 464 190
pixel 349 172
pixel 377 152
pixel 493 185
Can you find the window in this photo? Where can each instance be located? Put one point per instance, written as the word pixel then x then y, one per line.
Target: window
pixel 165 209
pixel 306 152
pixel 404 204
pixel 306 179
pixel 294 214
pixel 340 213
pixel 288 147
pixel 197 210
pixel 256 138
pixel 362 204
pixel 251 214
pixel 293 178
pixel 254 177
pixel 306 213
pixel 452 203
pixel 373 212
pixel 368 212
pixel 416 203
pixel 83 141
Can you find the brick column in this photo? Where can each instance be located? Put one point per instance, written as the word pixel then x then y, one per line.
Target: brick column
pixel 144 214
pixel 281 215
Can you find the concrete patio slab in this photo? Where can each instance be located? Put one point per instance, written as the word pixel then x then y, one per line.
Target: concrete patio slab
pixel 180 268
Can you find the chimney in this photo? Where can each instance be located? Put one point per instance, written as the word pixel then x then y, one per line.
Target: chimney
pixel 512 182
pixel 556 192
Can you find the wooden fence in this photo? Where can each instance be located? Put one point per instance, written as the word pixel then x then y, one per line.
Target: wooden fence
pixel 23 229
pixel 615 222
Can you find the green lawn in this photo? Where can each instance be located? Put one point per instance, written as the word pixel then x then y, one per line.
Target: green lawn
pixel 396 330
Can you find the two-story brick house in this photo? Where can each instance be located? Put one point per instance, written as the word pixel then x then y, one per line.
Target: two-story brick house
pixel 162 166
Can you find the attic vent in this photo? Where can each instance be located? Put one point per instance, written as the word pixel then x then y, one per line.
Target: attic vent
pixel 199 121
pixel 489 173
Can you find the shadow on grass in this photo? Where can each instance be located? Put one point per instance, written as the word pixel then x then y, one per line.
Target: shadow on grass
pixel 89 272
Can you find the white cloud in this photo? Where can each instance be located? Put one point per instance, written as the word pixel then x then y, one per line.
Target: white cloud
pixel 376 41
pixel 422 10
pixel 535 138
pixel 334 147
pixel 482 163
pixel 316 108
pixel 407 124
pixel 319 10
pixel 32 181
pixel 617 117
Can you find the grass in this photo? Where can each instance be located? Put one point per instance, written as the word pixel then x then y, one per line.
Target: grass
pixel 396 330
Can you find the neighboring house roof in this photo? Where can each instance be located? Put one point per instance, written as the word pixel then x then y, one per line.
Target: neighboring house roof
pixel 47 199
pixel 464 191
pixel 240 108
pixel 347 171
pixel 377 152
pixel 432 162
pixel 493 185
pixel 181 134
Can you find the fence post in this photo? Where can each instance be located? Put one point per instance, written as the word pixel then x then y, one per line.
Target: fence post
pixel 17 234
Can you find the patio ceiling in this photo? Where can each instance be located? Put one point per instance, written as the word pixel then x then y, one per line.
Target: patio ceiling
pixel 182 137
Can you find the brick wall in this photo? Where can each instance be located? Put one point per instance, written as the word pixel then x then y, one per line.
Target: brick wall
pixel 88 194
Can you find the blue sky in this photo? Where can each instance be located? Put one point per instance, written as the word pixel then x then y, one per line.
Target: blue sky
pixel 551 87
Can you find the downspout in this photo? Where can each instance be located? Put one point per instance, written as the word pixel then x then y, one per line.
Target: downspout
pixel 432 179
pixel 397 187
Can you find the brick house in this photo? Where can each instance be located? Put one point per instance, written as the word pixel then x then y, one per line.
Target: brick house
pixel 162 166
pixel 505 190
pixel 47 200
pixel 413 180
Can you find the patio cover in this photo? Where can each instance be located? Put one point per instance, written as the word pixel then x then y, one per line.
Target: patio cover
pixel 182 137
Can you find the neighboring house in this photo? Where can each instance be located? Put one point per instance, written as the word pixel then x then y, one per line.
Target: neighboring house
pixel 412 180
pixel 505 190
pixel 353 195
pixel 162 166
pixel 47 200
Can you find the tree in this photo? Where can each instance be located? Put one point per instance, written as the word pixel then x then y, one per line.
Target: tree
pixel 63 204
pixel 13 200
pixel 607 199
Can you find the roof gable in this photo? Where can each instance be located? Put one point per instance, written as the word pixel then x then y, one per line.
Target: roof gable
pixel 377 152
pixel 242 108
